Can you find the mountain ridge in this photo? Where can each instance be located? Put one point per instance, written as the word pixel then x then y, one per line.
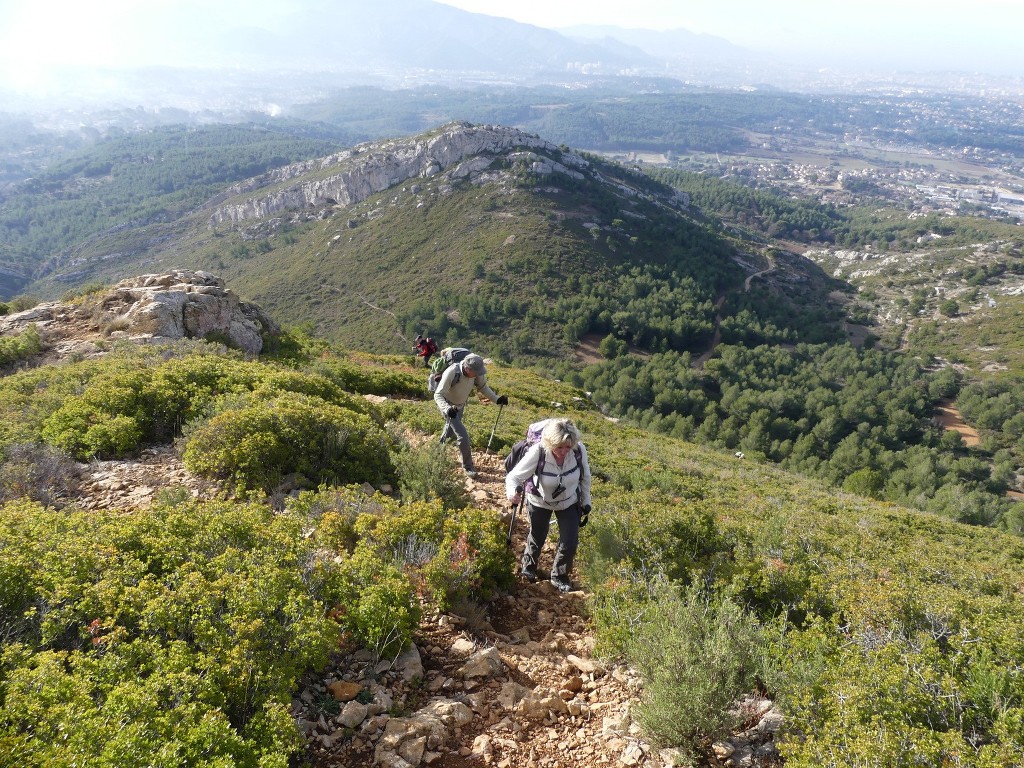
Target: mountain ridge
pixel 376 167
pixel 494 192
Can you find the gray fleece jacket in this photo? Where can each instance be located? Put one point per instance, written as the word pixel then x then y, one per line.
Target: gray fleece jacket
pixel 455 388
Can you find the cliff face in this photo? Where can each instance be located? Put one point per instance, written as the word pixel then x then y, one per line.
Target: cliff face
pixel 459 150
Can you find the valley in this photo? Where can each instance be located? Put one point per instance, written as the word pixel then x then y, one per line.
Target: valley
pixel 665 288
pixel 788 326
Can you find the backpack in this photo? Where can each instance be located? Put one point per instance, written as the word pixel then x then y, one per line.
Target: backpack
pixel 515 455
pixel 446 357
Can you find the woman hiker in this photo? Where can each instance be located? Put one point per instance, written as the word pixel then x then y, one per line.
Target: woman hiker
pixel 555 475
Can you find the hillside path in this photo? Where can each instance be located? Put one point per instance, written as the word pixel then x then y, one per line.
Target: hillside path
pixel 511 683
pixel 523 668
pixel 541 699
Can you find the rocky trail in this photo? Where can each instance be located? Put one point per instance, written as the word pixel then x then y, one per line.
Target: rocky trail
pixel 513 683
pixel 510 684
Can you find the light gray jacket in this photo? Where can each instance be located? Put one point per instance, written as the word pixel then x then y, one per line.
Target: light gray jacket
pixel 455 388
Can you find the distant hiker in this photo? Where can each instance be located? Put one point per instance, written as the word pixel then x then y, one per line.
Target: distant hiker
pixel 424 347
pixel 452 393
pixel 555 476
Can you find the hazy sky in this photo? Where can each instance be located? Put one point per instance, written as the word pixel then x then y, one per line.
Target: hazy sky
pixel 950 34
pixel 37 36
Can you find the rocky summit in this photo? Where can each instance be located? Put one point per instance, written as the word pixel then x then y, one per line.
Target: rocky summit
pixel 150 308
pixel 460 150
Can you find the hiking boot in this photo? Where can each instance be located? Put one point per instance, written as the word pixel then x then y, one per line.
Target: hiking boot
pixel 530 576
pixel 562 585
pixel 471 473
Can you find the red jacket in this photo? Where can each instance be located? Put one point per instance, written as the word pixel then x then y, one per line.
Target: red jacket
pixel 425 347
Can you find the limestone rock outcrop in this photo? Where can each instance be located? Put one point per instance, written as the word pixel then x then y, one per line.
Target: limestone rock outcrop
pixel 159 307
pixel 185 304
pixel 459 149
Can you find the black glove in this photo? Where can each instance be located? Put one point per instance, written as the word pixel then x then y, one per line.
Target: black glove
pixel 452 412
pixel 502 400
pixel 585 516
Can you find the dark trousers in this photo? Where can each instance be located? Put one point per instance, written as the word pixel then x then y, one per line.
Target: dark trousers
pixel 455 430
pixel 568 540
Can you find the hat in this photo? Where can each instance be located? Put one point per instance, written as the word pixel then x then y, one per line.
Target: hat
pixel 474 364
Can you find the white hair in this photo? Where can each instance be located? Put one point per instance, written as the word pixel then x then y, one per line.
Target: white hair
pixel 559 432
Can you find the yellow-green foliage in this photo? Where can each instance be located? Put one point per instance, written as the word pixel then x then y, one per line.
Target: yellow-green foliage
pixel 651 532
pixel 169 637
pixel 402 554
pixel 371 375
pixel 21 347
pixel 255 445
pixel 113 406
pixel 450 554
pixel 378 603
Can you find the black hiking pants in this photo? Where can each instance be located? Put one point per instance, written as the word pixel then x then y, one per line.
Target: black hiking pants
pixel 568 540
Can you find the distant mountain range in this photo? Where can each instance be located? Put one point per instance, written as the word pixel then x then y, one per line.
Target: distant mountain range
pixel 200 60
pixel 206 61
pixel 674 45
pixel 416 35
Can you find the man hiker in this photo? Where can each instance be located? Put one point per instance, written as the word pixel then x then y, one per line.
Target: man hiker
pixel 452 393
pixel 424 347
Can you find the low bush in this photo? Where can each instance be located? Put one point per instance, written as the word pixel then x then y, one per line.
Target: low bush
pixel 368 378
pixel 448 554
pixel 378 605
pixel 431 471
pixel 254 446
pixel 14 349
pixel 698 653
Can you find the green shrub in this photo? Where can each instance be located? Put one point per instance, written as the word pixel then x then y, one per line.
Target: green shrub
pixel 331 513
pixel 370 378
pixel 14 349
pixel 448 555
pixel 431 471
pixel 84 433
pixel 697 653
pixel 379 605
pixel 254 446
pixel 106 420
pixel 273 383
pixel 22 302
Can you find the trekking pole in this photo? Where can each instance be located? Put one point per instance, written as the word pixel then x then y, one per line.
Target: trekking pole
pixel 488 449
pixel 444 432
pixel 515 510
